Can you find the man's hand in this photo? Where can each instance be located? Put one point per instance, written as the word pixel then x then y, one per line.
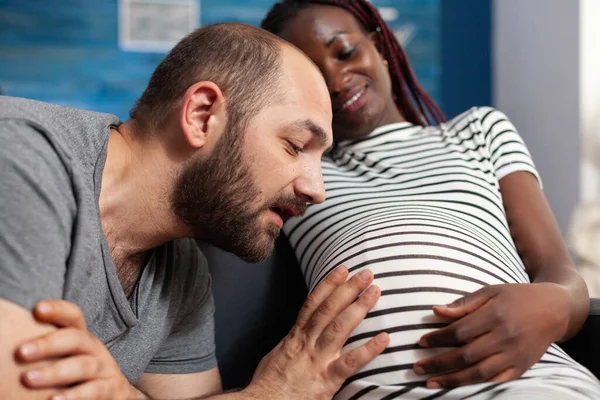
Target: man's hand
pixel 307 363
pixel 81 364
pixel 503 330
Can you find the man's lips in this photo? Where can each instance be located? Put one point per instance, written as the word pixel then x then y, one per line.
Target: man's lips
pixel 282 212
pixel 285 211
pixel 277 219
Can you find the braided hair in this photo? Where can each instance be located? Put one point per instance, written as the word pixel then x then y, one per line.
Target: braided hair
pixel 422 108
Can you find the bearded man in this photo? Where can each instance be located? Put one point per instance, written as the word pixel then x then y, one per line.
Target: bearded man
pixel 99 220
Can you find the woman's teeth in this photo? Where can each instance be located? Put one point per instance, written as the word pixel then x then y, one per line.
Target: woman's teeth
pixel 352 99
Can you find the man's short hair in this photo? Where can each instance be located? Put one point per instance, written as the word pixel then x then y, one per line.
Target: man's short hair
pixel 243 60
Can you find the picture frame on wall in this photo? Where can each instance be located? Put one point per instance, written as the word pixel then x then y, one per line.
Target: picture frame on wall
pixel 156 25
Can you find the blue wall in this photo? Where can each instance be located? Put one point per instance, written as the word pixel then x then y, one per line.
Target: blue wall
pixel 466 59
pixel 66 51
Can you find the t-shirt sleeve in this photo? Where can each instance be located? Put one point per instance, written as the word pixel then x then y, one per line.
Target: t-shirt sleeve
pixel 190 347
pixel 508 152
pixel 36 215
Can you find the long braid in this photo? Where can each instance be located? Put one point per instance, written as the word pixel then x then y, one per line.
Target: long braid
pixel 405 86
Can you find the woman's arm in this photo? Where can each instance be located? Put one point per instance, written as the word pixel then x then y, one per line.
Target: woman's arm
pixel 539 242
pixel 502 330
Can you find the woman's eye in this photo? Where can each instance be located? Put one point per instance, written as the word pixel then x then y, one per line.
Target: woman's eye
pixel 344 55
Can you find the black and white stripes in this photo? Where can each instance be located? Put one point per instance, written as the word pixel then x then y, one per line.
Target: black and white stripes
pixel 421 208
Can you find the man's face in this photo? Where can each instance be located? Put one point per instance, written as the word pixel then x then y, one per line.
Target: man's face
pixel 238 198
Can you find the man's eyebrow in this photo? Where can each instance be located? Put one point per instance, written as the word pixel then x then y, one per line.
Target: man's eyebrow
pixel 316 130
pixel 335 36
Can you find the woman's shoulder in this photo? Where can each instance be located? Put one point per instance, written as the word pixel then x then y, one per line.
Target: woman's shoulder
pixel 481 117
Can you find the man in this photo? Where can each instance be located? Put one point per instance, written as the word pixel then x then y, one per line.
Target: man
pixel 224 144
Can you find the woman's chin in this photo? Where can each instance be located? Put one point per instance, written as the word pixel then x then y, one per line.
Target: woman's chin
pixel 358 124
pixel 354 128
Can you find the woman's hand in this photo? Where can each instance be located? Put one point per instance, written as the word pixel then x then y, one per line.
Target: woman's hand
pixel 502 330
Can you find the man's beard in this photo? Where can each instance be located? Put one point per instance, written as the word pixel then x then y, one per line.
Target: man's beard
pixel 216 197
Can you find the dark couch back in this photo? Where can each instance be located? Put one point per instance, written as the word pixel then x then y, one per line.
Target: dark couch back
pixel 256 305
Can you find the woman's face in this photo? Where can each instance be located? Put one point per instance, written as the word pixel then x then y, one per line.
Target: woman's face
pixel 355 72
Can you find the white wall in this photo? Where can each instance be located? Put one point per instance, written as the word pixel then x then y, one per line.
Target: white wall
pixel 536 72
pixel 589 78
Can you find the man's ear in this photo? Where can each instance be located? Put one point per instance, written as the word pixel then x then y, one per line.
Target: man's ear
pixel 203 113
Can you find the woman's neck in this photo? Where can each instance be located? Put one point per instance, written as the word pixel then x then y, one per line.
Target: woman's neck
pixel 391 116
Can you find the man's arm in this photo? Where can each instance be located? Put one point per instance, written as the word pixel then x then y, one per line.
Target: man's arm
pixel 306 364
pixel 185 358
pixel 36 217
pixel 80 366
pixel 37 213
pixel 180 386
pixel 17 325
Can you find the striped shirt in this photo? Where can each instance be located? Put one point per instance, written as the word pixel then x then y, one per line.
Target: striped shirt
pixel 421 207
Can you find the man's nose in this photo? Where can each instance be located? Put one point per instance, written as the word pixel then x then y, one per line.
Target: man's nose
pixel 309 186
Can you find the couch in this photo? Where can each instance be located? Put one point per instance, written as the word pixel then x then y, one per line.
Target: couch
pixel 256 305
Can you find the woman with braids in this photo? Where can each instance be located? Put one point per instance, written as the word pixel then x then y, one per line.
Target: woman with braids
pixel 476 283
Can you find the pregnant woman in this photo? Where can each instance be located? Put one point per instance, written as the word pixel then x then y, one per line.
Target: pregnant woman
pixel 450 216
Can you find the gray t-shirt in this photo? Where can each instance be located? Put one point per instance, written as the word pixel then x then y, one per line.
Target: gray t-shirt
pixel 52 245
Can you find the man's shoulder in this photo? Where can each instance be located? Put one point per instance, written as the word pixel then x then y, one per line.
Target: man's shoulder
pixel 35 111
pixel 64 127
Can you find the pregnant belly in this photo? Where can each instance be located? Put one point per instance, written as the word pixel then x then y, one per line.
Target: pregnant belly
pixel 410 287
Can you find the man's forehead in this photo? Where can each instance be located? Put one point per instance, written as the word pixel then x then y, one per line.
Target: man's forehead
pixel 306 93
pixel 298 67
pixel 303 82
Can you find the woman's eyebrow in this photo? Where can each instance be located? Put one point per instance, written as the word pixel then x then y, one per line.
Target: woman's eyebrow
pixel 335 36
